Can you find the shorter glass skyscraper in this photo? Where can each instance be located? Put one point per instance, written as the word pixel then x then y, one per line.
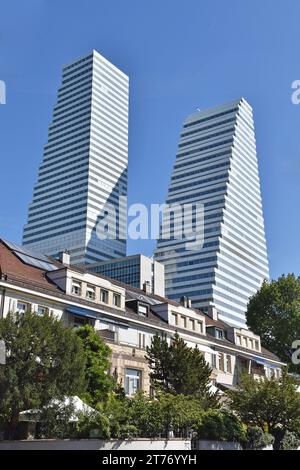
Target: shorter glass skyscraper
pixel 135 270
pixel 216 165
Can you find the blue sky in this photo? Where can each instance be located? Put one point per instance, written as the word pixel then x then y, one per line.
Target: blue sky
pixel 180 55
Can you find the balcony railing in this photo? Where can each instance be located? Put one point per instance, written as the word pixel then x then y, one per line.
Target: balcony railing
pixel 107 334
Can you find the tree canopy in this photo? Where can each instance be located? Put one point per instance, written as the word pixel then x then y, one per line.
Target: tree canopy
pixel 44 360
pixel 178 369
pixel 98 381
pixel 274 314
pixel 271 404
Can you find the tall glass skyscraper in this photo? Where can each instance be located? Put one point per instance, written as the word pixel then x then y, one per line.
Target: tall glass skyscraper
pixel 216 165
pixel 84 167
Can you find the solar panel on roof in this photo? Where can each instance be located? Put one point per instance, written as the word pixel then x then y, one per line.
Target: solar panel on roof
pixel 36 262
pixel 26 251
pixel 30 257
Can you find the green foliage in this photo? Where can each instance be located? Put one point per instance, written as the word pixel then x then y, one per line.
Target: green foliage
pixel 110 419
pixel 274 314
pixel 257 439
pixel 117 410
pixel 56 421
pixel 221 426
pixel 180 414
pixel 166 413
pixel 94 424
pixel 290 441
pixel 271 404
pixel 146 414
pixel 45 360
pixel 178 369
pixel 98 381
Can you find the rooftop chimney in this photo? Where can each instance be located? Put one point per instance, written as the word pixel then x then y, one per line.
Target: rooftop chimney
pixel 185 301
pixel 147 287
pixel 212 312
pixel 64 257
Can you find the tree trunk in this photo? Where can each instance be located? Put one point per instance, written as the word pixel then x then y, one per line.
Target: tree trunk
pixel 278 436
pixel 12 426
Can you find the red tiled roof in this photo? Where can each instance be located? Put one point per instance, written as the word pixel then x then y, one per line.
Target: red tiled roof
pixel 11 265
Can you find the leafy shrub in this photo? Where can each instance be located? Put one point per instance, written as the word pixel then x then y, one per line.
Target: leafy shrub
pixel 290 441
pixel 221 426
pixel 258 439
pixel 165 414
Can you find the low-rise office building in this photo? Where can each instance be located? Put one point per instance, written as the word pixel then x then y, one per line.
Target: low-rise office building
pixel 135 270
pixel 127 318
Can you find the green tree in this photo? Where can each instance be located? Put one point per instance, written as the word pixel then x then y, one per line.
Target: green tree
pixel 98 381
pixel 178 369
pixel 154 417
pixel 274 314
pixel 44 360
pixel 271 404
pixel 221 425
pixel 257 439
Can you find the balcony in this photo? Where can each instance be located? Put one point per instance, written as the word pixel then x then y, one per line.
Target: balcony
pixel 108 335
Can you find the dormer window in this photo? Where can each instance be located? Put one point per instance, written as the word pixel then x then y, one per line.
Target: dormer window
pixel 90 292
pixel 200 326
pixel 76 287
pixel 256 345
pixel 143 310
pixel 219 333
pixel 104 296
pixel 192 324
pixel 116 300
pixel 175 319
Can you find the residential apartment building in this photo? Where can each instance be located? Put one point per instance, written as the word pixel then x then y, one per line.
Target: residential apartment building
pixel 216 165
pixel 84 169
pixel 127 318
pixel 135 270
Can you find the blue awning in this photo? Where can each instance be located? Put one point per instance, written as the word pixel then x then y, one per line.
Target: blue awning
pixel 82 312
pixel 264 362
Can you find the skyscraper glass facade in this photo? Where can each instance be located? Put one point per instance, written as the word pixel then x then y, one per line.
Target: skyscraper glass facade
pixel 216 164
pixel 84 165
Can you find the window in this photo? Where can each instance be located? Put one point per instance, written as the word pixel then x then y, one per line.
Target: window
pixel 239 340
pixel 143 310
pixel 22 306
pixel 174 319
pixel 117 300
pixel 104 296
pixel 219 333
pixel 221 362
pixel 257 345
pixel 245 342
pixel 79 321
pixel 228 364
pixel 250 343
pixel 41 310
pixel 90 292
pixel 142 340
pixel 183 319
pixel 76 287
pixel 200 326
pixel 192 324
pixel 132 381
pixel 214 361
